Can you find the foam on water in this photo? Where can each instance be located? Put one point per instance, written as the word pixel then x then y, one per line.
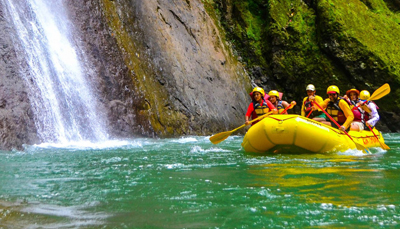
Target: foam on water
pixel 199 149
pixel 185 140
pixel 85 145
pixel 352 152
pixel 191 178
pixel 372 150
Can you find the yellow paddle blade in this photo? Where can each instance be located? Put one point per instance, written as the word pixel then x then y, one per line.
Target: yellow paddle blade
pixel 217 138
pixel 362 148
pixel 384 146
pixel 380 92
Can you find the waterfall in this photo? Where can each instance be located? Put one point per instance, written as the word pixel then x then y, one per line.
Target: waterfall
pixel 63 100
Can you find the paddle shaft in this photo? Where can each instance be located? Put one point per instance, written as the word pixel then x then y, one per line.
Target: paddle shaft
pixel 355 107
pixel 373 132
pixel 378 93
pixel 376 137
pixel 309 113
pixel 256 119
pixel 333 120
pixel 287 108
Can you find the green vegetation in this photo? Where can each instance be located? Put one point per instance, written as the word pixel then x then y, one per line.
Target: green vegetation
pixel 367 33
pixel 247 27
pixel 372 24
pixel 352 43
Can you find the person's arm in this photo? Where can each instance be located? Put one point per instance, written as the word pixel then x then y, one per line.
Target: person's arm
pixel 320 101
pixel 303 112
pixel 323 104
pixel 250 110
pixel 364 107
pixel 347 99
pixel 271 107
pixel 374 115
pixel 347 112
pixel 285 104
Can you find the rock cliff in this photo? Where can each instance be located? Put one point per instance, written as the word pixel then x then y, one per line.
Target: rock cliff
pixel 161 68
pixel 170 68
pixel 286 45
pixel 17 125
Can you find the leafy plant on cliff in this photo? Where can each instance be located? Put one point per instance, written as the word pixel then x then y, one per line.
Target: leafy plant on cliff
pixel 294 32
pixel 352 43
pixel 376 28
pixel 366 33
pixel 246 25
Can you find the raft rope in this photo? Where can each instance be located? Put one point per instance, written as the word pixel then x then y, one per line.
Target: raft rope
pixel 333 129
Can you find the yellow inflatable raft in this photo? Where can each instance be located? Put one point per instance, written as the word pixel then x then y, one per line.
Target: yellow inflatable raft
pixel 298 134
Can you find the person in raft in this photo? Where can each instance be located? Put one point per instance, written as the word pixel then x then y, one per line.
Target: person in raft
pixel 337 108
pixel 307 108
pixel 366 112
pixel 258 106
pixel 279 104
pixel 352 98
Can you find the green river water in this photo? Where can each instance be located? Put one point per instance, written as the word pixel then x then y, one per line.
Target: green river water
pixel 190 183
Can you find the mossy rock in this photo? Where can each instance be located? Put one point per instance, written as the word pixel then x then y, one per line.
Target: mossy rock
pixel 347 43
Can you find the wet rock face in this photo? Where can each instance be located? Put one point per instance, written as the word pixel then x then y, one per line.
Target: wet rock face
pixel 204 83
pixel 159 68
pixel 110 76
pixel 16 118
pixel 162 67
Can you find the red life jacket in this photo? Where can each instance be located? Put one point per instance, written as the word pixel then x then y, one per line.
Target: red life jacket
pixel 307 105
pixel 360 115
pixel 358 112
pixel 307 108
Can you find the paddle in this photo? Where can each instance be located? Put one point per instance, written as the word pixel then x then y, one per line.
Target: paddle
pixel 383 145
pixel 292 104
pixel 217 138
pixel 359 146
pixel 309 113
pixel 378 93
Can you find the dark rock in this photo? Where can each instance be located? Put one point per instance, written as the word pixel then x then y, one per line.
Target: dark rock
pixel 165 48
pixel 16 120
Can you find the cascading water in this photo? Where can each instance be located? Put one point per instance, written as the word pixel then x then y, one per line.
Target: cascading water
pixel 61 96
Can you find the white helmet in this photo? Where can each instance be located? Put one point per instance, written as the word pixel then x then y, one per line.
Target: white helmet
pixel 310 87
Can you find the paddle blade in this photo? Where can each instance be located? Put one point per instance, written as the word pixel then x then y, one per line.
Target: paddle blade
pixel 217 138
pixel 362 148
pixel 380 92
pixel 384 146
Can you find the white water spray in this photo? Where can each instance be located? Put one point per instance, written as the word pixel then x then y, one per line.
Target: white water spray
pixel 61 96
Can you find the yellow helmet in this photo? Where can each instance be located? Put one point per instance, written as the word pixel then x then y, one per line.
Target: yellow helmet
pixel 274 93
pixel 310 87
pixel 364 95
pixel 258 89
pixel 332 89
